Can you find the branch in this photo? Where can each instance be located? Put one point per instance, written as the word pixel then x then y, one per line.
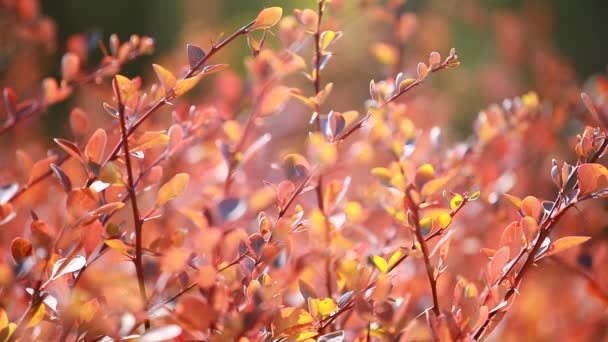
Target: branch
pixel 131 188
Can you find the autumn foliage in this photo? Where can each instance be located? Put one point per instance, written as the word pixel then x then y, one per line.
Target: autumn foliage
pixel 265 208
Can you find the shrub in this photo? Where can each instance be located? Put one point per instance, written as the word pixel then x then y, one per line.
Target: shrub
pixel 208 225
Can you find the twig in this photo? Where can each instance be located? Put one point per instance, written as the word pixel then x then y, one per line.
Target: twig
pixel 139 268
pixel 408 202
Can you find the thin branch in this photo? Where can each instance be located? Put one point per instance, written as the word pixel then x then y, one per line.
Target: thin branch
pixel 139 268
pixel 408 201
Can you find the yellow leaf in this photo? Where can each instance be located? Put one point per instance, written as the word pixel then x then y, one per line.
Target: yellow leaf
pixel 232 130
pixel 3 319
pixel 516 201
pixel 321 308
pixel 567 243
pixel 37 316
pixel 455 201
pixel 150 139
pixel 173 188
pixel 444 220
pixel 8 331
pixel 267 18
pixel 328 37
pixel 380 263
pixel 383 175
pixel 394 259
pixel 405 83
pixel 184 85
pixel 292 320
pixel 117 245
pixel 385 53
pixel 166 78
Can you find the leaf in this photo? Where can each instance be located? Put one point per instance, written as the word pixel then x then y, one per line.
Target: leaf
pixel 292 320
pixel 267 18
pixel 232 208
pixel 321 308
pixel 96 146
pixel 195 55
pixel 336 336
pixel 63 178
pixel 108 208
pixel 165 333
pixel 306 290
pixel 79 122
pixel 150 139
pixel 3 319
pixel 295 166
pixel 118 245
pixel 499 261
pixel 385 53
pixel 73 265
pixel 591 178
pixel 256 244
pixel 173 188
pixel 308 19
pixel 591 108
pixel 211 69
pixel 403 85
pixel 434 185
pixel 516 201
pixel 40 168
pixel 531 206
pixel 394 259
pixel 327 38
pixel 444 220
pixel 434 59
pixel 21 248
pixel 7 332
pixel 88 310
pixel 422 71
pixel 8 191
pixel 166 78
pixel 380 263
pixel 37 316
pixel 275 100
pixel 566 243
pixel 184 85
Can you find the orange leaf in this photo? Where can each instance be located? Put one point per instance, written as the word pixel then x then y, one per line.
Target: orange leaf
pixel 592 178
pixel 267 18
pixel 566 243
pixel 40 168
pixel 308 19
pixel 21 248
pixel 96 146
pixel 88 311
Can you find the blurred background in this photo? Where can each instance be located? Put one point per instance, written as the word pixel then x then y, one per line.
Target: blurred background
pixel 501 42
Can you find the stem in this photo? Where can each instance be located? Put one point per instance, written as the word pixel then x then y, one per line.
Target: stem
pixel 408 201
pixel 131 188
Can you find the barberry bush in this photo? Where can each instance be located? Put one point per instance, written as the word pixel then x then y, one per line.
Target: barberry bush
pixel 275 206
